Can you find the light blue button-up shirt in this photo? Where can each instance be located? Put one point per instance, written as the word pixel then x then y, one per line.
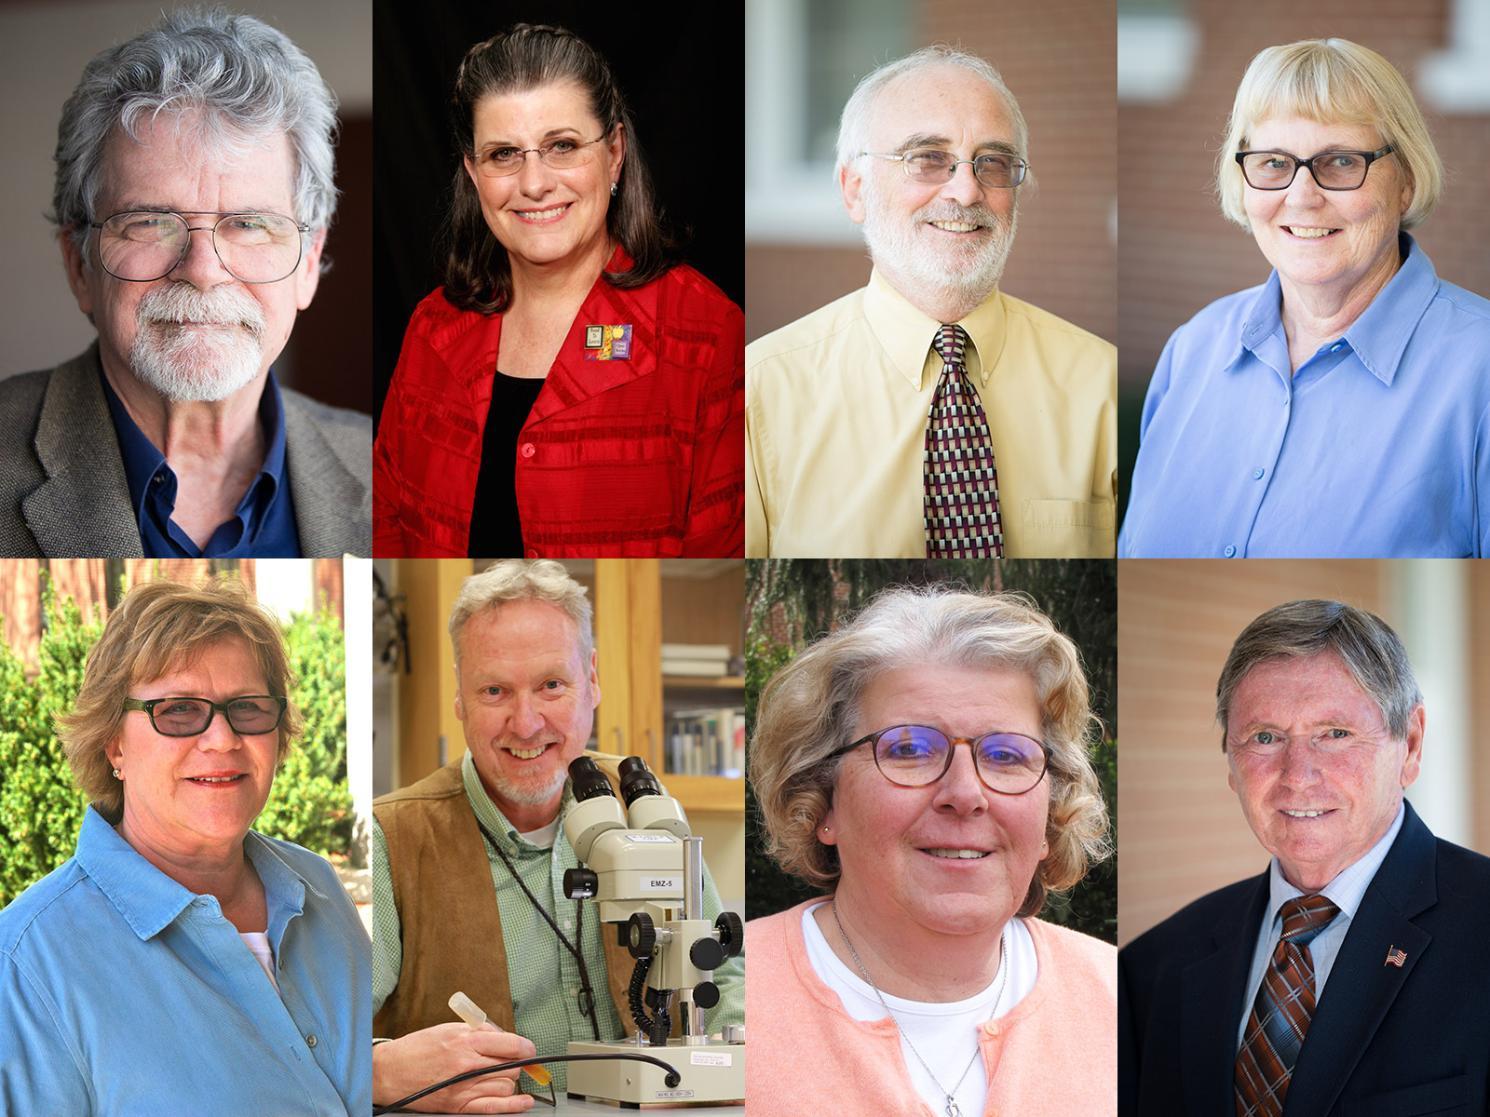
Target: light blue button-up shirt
pixel 122 993
pixel 1378 446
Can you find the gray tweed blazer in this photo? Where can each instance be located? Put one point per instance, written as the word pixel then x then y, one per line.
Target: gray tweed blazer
pixel 63 492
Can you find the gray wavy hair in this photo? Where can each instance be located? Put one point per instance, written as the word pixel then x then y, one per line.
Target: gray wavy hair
pixel 519 580
pixel 853 126
pixel 242 78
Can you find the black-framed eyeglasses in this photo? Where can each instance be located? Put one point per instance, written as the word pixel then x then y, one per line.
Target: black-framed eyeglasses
pixel 139 246
pixel 995 170
pixel 560 154
pixel 917 755
pixel 1332 170
pixel 248 714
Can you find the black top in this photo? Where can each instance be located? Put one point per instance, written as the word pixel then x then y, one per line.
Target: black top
pixel 496 531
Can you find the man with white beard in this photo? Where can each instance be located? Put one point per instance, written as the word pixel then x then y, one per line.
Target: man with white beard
pixel 193 189
pixel 929 414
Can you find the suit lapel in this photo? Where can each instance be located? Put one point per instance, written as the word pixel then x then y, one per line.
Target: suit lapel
pixel 330 500
pixel 1362 987
pixel 83 506
pixel 1211 1004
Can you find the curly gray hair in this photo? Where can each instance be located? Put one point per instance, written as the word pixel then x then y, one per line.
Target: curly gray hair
pixel 239 77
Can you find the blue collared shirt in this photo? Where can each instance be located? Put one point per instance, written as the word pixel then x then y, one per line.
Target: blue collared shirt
pixel 122 993
pixel 263 524
pixel 1347 891
pixel 1378 446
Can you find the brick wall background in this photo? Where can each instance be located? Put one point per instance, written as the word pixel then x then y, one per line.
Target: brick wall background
pixel 1060 59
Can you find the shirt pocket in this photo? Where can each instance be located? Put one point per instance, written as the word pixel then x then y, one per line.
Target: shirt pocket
pixel 1067 529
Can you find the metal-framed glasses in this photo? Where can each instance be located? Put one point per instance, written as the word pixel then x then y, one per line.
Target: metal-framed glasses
pixel 560 154
pixel 1332 170
pixel 996 170
pixel 248 714
pixel 139 246
pixel 917 755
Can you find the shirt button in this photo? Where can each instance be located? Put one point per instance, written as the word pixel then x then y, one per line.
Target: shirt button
pixel 532 553
pixel 1339 345
pixel 310 1040
pixel 158 479
pixel 1230 552
pixel 1257 474
pixel 528 450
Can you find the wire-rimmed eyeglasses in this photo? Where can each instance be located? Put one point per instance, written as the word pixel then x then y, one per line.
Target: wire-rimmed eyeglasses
pixel 139 246
pixel 996 170
pixel 184 716
pixel 1332 170
pixel 917 755
pixel 560 154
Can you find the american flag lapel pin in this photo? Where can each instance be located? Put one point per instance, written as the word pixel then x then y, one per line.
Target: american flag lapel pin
pixel 1395 957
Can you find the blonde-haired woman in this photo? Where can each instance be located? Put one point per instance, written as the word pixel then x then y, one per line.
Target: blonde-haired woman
pixel 180 962
pixel 921 983
pixel 1343 407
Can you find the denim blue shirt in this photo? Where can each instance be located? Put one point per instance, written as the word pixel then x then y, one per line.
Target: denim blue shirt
pixel 122 993
pixel 1378 446
pixel 263 524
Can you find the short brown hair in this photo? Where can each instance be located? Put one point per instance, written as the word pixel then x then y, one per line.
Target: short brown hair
pixel 809 709
pixel 158 626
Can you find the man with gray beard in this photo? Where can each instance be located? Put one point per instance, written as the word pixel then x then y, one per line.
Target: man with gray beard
pixel 194 186
pixel 929 414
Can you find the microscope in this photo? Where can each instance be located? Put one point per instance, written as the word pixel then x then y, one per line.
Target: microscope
pixel 645 871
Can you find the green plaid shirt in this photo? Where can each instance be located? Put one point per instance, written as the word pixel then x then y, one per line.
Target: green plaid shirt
pixel 545 987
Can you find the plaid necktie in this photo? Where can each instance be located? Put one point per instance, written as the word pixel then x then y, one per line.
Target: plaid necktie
pixel 1281 1014
pixel 961 500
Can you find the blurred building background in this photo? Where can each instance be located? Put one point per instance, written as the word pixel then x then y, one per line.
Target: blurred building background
pixel 1179 63
pixel 1182 829
pixel 44 45
pixel 803 59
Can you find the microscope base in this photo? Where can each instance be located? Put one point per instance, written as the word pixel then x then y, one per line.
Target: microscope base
pixel 712 1074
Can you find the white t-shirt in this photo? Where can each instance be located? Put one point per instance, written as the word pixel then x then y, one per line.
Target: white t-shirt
pixel 946 1034
pixel 258 943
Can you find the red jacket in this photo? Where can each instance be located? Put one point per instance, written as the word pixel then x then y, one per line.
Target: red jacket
pixel 635 457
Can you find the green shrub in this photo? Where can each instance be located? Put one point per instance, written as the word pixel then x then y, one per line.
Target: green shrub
pixel 41 809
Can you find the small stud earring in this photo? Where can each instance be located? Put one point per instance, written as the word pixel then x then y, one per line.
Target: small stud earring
pixel 118 775
pixel 614 189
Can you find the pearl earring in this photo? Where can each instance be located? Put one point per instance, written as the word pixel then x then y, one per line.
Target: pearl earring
pixel 614 189
pixel 117 774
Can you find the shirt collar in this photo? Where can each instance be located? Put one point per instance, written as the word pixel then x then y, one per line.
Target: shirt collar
pixel 1349 886
pixel 1380 335
pixel 149 901
pixel 906 334
pixel 143 460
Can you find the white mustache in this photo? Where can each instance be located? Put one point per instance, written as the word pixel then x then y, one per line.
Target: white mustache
pixel 221 306
pixel 971 215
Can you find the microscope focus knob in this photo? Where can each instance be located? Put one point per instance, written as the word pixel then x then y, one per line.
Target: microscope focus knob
pixel 706 994
pixel 580 884
pixel 641 938
pixel 731 933
pixel 707 954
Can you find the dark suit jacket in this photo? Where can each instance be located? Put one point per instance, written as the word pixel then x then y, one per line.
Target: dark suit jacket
pixel 63 492
pixel 1384 1041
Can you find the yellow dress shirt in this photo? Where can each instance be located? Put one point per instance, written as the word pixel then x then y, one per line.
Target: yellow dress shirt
pixel 835 427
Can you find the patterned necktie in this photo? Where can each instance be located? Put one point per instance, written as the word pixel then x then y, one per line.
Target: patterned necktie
pixel 961 500
pixel 1281 1014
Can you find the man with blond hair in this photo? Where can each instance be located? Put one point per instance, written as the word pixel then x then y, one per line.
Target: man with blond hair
pixel 468 863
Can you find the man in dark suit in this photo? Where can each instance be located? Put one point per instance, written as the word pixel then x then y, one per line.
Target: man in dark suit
pixel 1353 977
pixel 193 190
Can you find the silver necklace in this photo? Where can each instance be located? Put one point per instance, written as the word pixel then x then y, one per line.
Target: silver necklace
pixel 952 1109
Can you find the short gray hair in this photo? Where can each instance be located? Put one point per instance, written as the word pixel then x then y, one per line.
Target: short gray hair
pixel 811 707
pixel 245 79
pixel 853 127
pixel 517 580
pixel 1370 650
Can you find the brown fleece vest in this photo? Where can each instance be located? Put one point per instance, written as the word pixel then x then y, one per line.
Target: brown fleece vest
pixel 447 906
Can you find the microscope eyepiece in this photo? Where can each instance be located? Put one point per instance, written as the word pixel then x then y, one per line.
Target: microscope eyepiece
pixel 589 781
pixel 637 780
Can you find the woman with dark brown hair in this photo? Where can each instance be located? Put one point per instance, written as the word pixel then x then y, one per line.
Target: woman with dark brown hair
pixel 569 390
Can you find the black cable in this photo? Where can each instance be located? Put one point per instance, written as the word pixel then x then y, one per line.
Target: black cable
pixel 586 990
pixel 671 1080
